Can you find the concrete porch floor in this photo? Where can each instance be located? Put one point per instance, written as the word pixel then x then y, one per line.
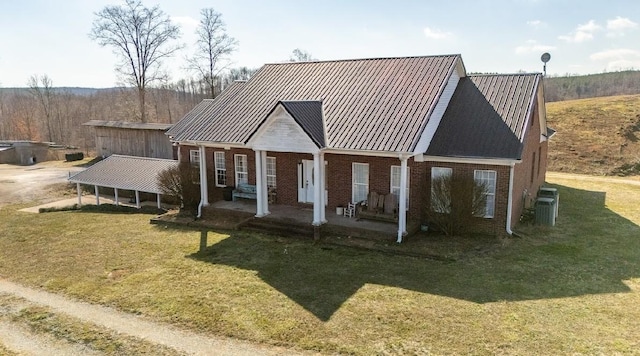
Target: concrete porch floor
pixel 304 215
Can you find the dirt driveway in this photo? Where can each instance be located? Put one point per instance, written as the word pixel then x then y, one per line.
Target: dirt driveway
pixel 20 184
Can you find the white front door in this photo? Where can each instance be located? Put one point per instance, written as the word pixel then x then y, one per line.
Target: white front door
pixel 306 182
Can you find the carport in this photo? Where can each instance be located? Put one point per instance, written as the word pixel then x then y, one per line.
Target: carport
pixel 138 174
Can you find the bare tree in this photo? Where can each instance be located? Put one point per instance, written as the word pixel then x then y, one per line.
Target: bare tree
pixel 213 46
pixel 141 37
pixel 240 73
pixel 300 55
pixel 455 202
pixel 44 96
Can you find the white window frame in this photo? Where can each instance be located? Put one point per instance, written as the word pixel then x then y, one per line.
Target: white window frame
pixel 358 183
pixel 194 157
pixel 490 178
pixel 220 168
pixel 240 161
pixel 394 183
pixel 437 172
pixel 271 172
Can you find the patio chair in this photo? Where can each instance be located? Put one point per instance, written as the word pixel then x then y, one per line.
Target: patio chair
pixel 350 210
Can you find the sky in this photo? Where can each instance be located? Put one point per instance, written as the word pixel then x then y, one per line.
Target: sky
pixel 497 36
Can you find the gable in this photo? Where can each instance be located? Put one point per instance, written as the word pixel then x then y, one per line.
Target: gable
pixel 281 133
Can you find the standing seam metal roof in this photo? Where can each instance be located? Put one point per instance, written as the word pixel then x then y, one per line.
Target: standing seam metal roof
pixel 125 172
pixel 369 104
pixel 308 114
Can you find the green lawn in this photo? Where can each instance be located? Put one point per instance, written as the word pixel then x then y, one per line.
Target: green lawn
pixel 571 289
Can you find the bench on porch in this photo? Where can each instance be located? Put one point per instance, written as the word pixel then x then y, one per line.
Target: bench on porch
pixel 243 190
pixel 379 207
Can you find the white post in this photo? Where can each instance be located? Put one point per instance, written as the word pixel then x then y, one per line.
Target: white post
pixel 79 194
pixel 204 190
pixel 115 191
pixel 137 199
pixel 323 188
pixel 265 189
pixel 158 199
pixel 402 204
pixel 259 185
pixel 318 204
pixel 95 188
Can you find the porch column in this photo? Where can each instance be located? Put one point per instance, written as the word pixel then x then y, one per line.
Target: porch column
pixel 259 185
pixel 137 199
pixel 265 189
pixel 318 203
pixel 158 200
pixel 323 188
pixel 95 188
pixel 402 204
pixel 204 190
pixel 79 194
pixel 115 192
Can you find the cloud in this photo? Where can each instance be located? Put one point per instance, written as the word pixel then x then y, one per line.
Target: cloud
pixel 582 33
pixel 437 34
pixel 533 46
pixel 618 59
pixel 619 25
pixel 185 21
pixel 537 24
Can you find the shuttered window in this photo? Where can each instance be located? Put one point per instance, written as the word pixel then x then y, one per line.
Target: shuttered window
pixel 242 169
pixel 441 189
pixel 488 178
pixel 221 169
pixel 271 172
pixel 395 183
pixel 360 178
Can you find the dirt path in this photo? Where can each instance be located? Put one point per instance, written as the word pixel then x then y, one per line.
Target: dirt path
pixel 559 175
pixel 157 333
pixel 25 342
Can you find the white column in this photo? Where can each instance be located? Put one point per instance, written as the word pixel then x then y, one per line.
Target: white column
pixel 323 188
pixel 137 199
pixel 318 204
pixel 402 204
pixel 265 189
pixel 259 185
pixel 79 190
pixel 158 199
pixel 115 192
pixel 95 188
pixel 204 190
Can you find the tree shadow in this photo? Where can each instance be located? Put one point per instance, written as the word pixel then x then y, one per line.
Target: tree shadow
pixel 572 259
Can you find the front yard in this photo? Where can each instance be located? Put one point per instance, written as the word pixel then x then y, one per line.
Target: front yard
pixel 571 289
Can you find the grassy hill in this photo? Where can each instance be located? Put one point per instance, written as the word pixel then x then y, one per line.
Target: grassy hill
pixel 598 136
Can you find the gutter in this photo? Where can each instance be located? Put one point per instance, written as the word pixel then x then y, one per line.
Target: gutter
pixel 510 200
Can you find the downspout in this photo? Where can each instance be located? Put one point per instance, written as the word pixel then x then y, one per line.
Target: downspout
pixel 510 199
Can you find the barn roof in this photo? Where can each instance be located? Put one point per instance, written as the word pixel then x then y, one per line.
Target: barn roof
pixel 373 104
pixel 486 117
pixel 129 125
pixel 125 172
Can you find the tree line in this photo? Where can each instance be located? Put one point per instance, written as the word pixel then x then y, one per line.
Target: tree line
pixel 592 85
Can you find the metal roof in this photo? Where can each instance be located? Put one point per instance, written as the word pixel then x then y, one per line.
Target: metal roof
pixel 125 172
pixel 486 117
pixel 308 114
pixel 129 125
pixel 368 104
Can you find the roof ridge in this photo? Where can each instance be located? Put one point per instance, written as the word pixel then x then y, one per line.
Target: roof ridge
pixel 364 59
pixel 504 74
pixel 141 158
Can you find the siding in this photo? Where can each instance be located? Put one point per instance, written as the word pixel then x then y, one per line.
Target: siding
pixel 133 142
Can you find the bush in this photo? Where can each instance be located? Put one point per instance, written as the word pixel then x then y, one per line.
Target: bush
pixel 179 182
pixel 455 202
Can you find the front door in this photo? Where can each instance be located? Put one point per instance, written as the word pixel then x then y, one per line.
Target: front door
pixel 306 182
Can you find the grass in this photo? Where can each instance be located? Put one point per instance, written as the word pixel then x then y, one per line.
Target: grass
pixel 569 289
pixel 599 136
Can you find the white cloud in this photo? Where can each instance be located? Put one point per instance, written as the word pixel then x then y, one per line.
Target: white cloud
pixel 619 25
pixel 582 33
pixel 618 59
pixel 537 24
pixel 185 21
pixel 533 47
pixel 437 34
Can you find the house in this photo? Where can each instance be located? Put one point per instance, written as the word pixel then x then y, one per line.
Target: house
pixel 327 133
pixel 131 139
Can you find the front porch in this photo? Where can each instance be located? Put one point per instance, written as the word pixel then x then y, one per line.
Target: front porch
pixel 299 220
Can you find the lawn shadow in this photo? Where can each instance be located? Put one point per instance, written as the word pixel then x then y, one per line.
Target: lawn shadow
pixel 591 251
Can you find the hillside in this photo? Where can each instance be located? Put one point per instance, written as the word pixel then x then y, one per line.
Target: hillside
pixel 598 136
pixel 592 85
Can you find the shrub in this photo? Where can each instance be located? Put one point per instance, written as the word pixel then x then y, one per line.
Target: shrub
pixel 180 183
pixel 455 202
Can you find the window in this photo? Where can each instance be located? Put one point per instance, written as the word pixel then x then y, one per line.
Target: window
pixel 395 183
pixel 271 172
pixel 194 158
pixel 360 177
pixel 242 170
pixel 221 169
pixel 488 178
pixel 440 189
